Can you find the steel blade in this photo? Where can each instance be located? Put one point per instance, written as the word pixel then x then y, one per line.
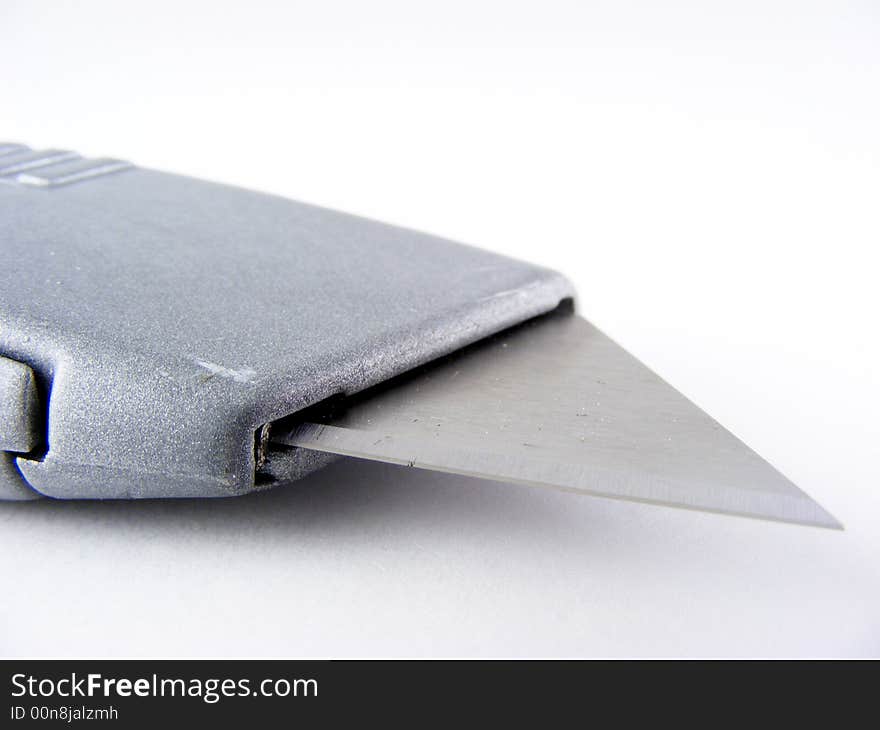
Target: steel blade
pixel 556 403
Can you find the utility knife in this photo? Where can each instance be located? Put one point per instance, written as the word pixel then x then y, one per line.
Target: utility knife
pixel 163 336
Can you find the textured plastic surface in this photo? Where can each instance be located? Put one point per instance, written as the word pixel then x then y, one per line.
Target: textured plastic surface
pixel 19 407
pixel 20 428
pixel 169 318
pixel 12 486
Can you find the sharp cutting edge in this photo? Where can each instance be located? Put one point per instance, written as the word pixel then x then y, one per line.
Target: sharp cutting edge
pixel 556 403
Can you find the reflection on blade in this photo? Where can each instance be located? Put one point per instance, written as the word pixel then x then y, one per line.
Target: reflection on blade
pixel 556 403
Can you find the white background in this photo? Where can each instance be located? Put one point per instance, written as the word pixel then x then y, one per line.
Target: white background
pixel 708 176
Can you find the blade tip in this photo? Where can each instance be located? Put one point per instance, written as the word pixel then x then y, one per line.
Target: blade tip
pixel 828 521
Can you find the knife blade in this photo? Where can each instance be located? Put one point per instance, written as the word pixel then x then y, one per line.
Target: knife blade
pixel 556 403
